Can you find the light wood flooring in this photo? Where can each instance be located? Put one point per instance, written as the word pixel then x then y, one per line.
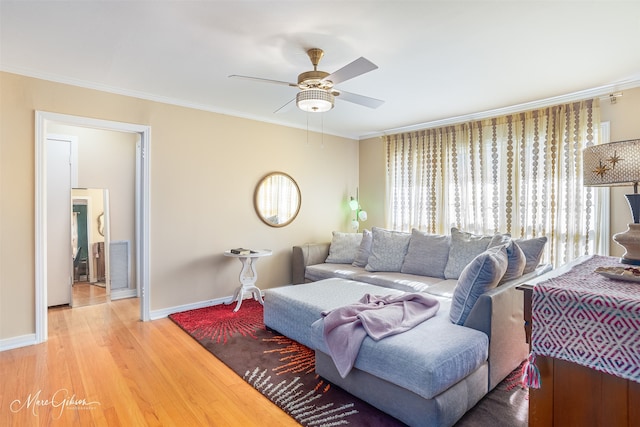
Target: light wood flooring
pixel 85 293
pixel 102 366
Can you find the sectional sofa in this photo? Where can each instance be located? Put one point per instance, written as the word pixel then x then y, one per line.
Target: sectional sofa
pixel 435 372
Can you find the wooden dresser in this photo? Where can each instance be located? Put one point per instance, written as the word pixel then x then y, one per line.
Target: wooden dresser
pixel 572 394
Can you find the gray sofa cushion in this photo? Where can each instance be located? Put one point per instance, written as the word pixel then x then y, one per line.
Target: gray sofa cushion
pixel 343 247
pixel 394 280
pixel 388 249
pixel 482 274
pixel 443 410
pixel 427 254
pixel 517 262
pixel 427 359
pixel 465 247
pixel 364 250
pixel 444 288
pixel 328 270
pixel 291 310
pixel 533 249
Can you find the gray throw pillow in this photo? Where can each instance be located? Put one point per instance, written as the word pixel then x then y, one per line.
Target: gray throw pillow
pixel 364 250
pixel 427 254
pixel 482 274
pixel 533 250
pixel 343 247
pixel 517 262
pixel 388 249
pixel 464 248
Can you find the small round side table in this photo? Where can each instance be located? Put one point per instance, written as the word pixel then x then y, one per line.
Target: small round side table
pixel 248 276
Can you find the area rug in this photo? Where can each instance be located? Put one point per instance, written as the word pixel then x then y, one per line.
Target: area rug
pixel 283 371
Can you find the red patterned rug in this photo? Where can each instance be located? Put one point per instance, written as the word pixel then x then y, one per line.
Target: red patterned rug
pixel 278 367
pixel 283 371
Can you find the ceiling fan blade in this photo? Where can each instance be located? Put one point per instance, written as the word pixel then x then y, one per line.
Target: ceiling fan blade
pixel 258 79
pixel 360 99
pixel 354 69
pixel 285 107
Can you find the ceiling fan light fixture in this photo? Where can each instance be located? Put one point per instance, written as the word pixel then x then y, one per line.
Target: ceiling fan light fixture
pixel 315 100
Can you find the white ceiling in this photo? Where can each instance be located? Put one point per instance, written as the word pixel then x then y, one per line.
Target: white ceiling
pixel 437 59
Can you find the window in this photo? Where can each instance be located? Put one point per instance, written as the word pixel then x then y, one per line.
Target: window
pixel 519 174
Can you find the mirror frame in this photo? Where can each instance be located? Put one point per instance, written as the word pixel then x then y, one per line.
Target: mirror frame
pixel 255 199
pixel 101 224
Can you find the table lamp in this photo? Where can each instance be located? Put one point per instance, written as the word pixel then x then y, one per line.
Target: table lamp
pixel 618 164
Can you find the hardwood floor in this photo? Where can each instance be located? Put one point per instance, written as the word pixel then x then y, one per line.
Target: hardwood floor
pixel 102 366
pixel 84 293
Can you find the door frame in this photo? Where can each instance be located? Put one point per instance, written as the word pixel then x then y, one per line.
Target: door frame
pixel 143 162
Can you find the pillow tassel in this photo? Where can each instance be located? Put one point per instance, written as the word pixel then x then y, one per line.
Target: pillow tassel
pixel 530 372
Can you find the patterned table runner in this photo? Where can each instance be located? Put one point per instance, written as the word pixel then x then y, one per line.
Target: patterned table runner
pixel 586 318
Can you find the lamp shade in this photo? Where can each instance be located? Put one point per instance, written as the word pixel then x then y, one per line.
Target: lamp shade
pixel 612 164
pixel 353 204
pixel 315 100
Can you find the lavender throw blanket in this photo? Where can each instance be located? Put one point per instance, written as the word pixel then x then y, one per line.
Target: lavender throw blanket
pixel 377 316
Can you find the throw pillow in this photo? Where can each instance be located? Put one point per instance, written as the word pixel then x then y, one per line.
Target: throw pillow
pixel 364 250
pixel 343 247
pixel 533 250
pixel 481 275
pixel 427 254
pixel 388 249
pixel 517 262
pixel 464 248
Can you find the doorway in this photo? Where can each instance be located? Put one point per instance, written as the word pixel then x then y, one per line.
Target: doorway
pixel 141 236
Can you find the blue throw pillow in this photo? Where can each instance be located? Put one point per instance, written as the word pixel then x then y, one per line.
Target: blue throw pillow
pixel 482 274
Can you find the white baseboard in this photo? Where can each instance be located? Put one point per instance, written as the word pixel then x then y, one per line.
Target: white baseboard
pixel 164 312
pixel 26 340
pixel 123 293
pixel 17 342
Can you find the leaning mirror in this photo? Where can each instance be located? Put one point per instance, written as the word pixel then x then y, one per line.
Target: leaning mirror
pixel 277 199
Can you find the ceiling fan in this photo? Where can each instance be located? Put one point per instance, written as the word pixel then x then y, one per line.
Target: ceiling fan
pixel 317 92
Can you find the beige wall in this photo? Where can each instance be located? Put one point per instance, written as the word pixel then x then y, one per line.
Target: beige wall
pixel 204 168
pixel 624 122
pixel 373 181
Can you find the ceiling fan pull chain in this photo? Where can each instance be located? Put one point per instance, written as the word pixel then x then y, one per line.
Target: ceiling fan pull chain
pixel 322 129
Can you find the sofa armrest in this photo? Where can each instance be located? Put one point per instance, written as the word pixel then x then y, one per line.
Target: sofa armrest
pixel 499 313
pixel 307 254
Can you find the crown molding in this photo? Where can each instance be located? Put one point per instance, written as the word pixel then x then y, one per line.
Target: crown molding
pixel 162 99
pixel 601 92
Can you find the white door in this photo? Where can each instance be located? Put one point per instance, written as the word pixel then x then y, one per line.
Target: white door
pixel 59 251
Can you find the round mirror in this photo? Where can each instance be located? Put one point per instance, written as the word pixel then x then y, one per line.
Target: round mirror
pixel 277 199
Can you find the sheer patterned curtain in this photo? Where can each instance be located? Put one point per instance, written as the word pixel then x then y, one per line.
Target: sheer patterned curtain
pixel 519 174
